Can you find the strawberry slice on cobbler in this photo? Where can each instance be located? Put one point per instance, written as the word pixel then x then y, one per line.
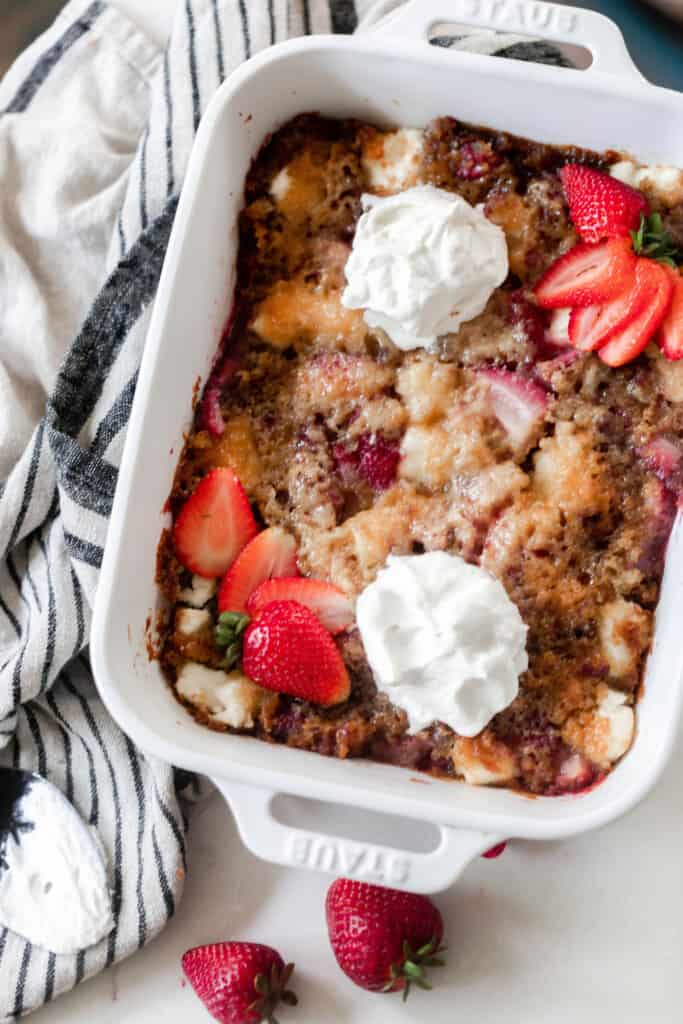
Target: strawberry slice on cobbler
pixel 214 524
pixel 518 404
pixel 670 337
pixel 593 326
pixel 588 274
pixel 327 602
pixel 632 339
pixel 271 553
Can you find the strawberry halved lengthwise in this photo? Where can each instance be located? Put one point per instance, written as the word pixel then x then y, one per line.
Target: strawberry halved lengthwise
pixel 633 339
pixel 601 206
pixel 670 337
pixel 271 553
pixel 288 650
pixel 588 275
pixel 214 524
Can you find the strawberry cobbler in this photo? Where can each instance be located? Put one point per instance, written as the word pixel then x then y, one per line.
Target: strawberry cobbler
pixel 422 512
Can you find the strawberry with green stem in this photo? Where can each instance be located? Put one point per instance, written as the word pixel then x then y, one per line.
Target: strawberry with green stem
pixel 384 940
pixel 286 649
pixel 239 982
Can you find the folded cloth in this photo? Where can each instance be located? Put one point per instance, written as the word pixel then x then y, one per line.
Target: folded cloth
pixel 96 125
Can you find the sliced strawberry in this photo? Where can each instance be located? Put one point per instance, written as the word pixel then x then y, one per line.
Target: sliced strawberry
pixel 519 405
pixel 327 602
pixel 592 327
pixel 378 460
pixel 288 650
pixel 660 502
pixel 601 206
pixel 663 456
pixel 630 341
pixel 670 337
pixel 214 524
pixel 374 459
pixel 587 274
pixel 271 553
pixel 210 413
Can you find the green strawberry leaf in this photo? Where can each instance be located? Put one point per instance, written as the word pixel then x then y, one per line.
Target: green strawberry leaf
pixel 651 240
pixel 228 634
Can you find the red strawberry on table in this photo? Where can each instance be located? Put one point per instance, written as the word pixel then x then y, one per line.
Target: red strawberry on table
pixel 383 939
pixel 601 206
pixel 239 982
pixel 271 553
pixel 588 275
pixel 327 602
pixel 214 524
pixel 670 337
pixel 495 851
pixel 632 339
pixel 288 650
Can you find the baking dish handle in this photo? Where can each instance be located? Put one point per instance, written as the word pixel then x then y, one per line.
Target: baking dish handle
pixel 270 840
pixel 534 18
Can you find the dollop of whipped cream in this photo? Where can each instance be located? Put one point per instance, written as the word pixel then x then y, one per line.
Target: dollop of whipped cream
pixel 444 640
pixel 423 262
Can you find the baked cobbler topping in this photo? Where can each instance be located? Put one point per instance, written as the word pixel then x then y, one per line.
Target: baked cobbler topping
pixel 541 444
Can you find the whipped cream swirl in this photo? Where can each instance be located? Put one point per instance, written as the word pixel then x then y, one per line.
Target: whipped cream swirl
pixel 423 262
pixel 444 640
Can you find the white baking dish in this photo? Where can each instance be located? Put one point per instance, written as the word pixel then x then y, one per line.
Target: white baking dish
pixel 387 75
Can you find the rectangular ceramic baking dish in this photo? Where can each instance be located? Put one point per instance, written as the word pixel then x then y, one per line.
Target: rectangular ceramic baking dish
pixel 388 75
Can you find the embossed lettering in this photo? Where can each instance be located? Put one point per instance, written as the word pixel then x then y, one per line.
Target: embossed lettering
pixel 522 16
pixel 325 856
pixel 539 17
pixel 356 861
pixel 297 849
pixel 351 859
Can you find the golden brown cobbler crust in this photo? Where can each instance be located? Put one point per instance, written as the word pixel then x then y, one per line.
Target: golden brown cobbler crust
pixel 567 518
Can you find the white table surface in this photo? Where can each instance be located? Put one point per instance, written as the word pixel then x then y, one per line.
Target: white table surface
pixel 589 930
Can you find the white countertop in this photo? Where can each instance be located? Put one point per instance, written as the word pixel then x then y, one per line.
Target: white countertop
pixel 589 930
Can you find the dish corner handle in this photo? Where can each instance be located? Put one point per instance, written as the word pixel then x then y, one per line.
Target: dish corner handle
pixel 534 18
pixel 273 841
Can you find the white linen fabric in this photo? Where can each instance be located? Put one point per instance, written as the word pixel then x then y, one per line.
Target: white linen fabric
pixel 96 125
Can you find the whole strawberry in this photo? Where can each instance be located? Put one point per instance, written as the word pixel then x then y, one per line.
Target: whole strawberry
pixel 383 939
pixel 239 982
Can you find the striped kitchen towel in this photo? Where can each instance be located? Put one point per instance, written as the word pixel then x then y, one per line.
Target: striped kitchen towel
pixel 96 125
